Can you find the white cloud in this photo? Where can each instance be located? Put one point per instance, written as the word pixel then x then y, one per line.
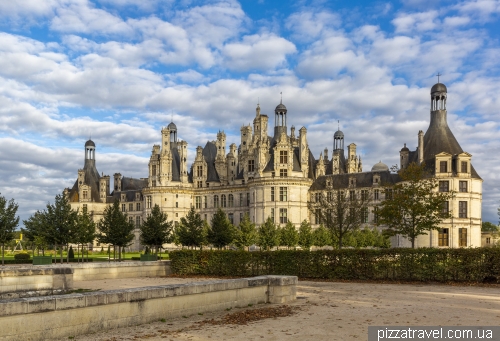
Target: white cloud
pixel 416 22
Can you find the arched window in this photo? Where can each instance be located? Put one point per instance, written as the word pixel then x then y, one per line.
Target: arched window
pixel 231 200
pixel 216 201
pixel 223 200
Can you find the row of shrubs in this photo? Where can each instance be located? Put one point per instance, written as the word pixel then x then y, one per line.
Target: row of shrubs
pixel 423 264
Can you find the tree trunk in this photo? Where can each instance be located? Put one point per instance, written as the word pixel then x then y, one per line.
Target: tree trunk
pixel 67 253
pixel 3 248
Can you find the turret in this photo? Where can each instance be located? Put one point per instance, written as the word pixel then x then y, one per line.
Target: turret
pixel 117 181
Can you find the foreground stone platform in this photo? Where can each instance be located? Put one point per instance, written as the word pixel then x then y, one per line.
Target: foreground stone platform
pixel 50 317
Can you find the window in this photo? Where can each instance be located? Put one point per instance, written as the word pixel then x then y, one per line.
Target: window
pixel 462 186
pixel 241 199
pixel 488 240
pixel 352 213
pixel 251 165
pixel 444 186
pixel 205 217
pixel 283 194
pixel 364 215
pixel 200 184
pixel 272 214
pixel 443 166
pixel 364 195
pixel 138 206
pixel 352 195
pixel 283 173
pixel 84 208
pixel 131 220
pixel 375 194
pixel 223 200
pixel 317 216
pixel 375 215
pixel 283 156
pixel 241 216
pixel 131 207
pixel 199 171
pixel 197 202
pixel 85 194
pixel 137 221
pixel 462 209
pixel 248 199
pixel 176 204
pixel 153 170
pixel 272 193
pixel 148 201
pixel 206 202
pixel 231 200
pixel 153 183
pixel 123 207
pixel 446 208
pixel 443 237
pixel 230 216
pixel 388 193
pixel 216 201
pixel 283 216
pixel 464 167
pixel 329 196
pixel 462 237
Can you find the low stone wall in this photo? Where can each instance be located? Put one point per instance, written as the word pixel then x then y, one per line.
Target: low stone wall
pixel 27 282
pixel 51 317
pixel 104 270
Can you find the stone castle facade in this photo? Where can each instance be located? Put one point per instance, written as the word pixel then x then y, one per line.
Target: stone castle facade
pixel 275 176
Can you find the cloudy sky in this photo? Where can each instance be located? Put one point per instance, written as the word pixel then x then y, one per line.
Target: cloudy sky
pixel 119 70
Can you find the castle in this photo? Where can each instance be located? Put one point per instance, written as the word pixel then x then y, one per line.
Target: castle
pixel 275 176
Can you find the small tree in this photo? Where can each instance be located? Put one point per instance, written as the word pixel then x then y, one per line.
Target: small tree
pixel 488 227
pixel 305 235
pixel 85 230
pixel 156 229
pixel 246 234
pixel 268 235
pixel 114 227
pixel 191 230
pixel 416 207
pixel 289 235
pixel 221 232
pixel 321 236
pixel 8 222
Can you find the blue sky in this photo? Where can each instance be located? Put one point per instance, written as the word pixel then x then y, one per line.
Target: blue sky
pixel 119 70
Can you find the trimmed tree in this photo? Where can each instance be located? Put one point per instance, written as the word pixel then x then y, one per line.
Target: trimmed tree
pixel 269 235
pixel 246 234
pixel 289 235
pixel 321 236
pixel 191 231
pixel 85 230
pixel 8 221
pixel 416 207
pixel 221 232
pixel 60 222
pixel 114 228
pixel 306 239
pixel 156 229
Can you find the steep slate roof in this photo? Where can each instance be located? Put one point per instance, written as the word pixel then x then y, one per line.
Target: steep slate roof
pixel 439 138
pixel 91 179
pixel 364 179
pixel 176 163
pixel 209 153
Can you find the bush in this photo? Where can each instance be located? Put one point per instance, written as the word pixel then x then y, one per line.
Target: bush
pixel 71 253
pixel 22 256
pixel 425 264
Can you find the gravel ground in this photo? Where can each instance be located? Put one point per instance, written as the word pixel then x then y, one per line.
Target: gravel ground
pixel 322 311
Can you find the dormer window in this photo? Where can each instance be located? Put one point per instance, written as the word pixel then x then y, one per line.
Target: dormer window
pixel 283 156
pixel 443 166
pixel 251 165
pixel 199 171
pixel 283 173
pixel 463 167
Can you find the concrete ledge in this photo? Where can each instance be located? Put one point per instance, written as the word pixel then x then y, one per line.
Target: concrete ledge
pixel 54 317
pixel 27 282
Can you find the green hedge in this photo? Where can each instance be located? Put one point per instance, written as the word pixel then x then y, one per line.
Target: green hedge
pixel 424 264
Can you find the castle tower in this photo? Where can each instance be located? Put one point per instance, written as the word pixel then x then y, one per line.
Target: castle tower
pixel 182 148
pixel 279 120
pixel 404 157
pixel 260 125
pixel 303 151
pixel 117 180
pixel 338 152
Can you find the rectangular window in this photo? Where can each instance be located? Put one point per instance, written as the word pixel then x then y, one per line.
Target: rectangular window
pixel 200 184
pixel 364 195
pixel 153 170
pixel 329 196
pixel 375 215
pixel 364 215
pixel 462 186
pixel 241 216
pixel 148 201
pixel 272 193
pixel 283 156
pixel 199 171
pixel 205 217
pixel 248 199
pixel 230 216
pixel 317 216
pixel 283 194
pixel 85 194
pixel 230 202
pixel 131 207
pixel 176 204
pixel 375 194
pixel 446 208
pixel 443 166
pixel 352 195
pixel 488 240
pixel 462 209
pixel 198 202
pixel 462 237
pixel 388 193
pixel 283 216
pixel 84 208
pixel 444 186
pixel 464 167
pixel 138 206
pixel 137 221
pixel 272 214
pixel 251 165
pixel 241 199
pixel 206 202
pixel 283 173
pixel 123 208
pixel 153 183
pixel 443 237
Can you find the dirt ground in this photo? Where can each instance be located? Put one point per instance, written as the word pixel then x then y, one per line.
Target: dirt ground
pixel 322 311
